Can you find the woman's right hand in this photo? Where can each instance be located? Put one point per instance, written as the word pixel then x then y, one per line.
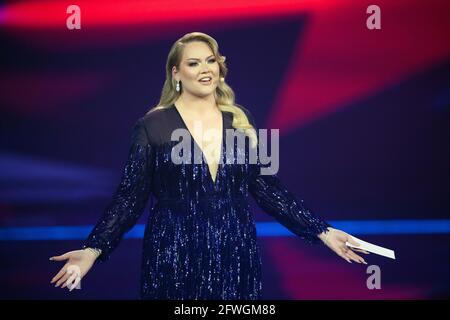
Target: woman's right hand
pixel 78 264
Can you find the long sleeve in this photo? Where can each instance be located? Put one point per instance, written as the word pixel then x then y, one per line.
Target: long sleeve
pixel 129 199
pixel 275 199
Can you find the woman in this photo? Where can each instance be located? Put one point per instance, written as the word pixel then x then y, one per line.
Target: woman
pixel 200 240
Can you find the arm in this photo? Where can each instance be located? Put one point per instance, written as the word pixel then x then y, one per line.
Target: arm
pixel 275 199
pixel 129 199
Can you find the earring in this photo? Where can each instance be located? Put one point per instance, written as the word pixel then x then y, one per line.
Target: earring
pixel 178 86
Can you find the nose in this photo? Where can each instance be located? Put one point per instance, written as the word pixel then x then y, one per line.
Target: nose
pixel 205 68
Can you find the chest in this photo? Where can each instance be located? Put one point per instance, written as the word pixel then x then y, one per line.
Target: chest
pixel 207 133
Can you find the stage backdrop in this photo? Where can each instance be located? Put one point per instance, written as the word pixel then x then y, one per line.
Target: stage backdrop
pixel 363 96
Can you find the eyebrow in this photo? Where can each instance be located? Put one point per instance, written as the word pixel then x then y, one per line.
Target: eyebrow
pixel 199 59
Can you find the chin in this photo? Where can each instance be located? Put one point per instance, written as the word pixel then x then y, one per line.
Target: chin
pixel 207 91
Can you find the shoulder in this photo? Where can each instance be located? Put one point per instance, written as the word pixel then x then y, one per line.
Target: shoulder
pixel 244 109
pixel 154 123
pixel 154 116
pixel 248 113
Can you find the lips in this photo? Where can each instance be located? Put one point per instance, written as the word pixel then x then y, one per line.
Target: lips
pixel 205 80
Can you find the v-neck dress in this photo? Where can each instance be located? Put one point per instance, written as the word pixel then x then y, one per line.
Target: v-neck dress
pixel 197 146
pixel 200 239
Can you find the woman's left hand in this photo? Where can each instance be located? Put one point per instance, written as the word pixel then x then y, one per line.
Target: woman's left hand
pixel 336 240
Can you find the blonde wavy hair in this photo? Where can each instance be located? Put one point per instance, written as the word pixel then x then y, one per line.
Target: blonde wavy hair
pixel 224 95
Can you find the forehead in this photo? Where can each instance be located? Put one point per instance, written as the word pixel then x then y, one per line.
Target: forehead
pixel 196 49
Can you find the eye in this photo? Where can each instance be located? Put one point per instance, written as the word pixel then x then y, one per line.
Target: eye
pixel 191 64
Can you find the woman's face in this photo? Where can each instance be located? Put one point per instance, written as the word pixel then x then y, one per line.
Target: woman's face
pixel 197 62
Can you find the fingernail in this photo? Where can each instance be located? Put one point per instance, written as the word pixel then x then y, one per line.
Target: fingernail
pixel 51 259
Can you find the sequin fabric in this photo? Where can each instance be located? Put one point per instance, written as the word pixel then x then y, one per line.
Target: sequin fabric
pixel 200 240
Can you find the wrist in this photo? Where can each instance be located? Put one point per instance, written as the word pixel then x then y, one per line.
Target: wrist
pixel 94 252
pixel 324 236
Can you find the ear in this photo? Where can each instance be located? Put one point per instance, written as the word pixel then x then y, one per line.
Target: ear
pixel 174 73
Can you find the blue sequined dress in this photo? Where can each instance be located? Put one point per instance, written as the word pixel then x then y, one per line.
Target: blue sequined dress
pixel 200 239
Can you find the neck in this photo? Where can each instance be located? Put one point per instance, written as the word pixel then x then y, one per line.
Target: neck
pixel 198 105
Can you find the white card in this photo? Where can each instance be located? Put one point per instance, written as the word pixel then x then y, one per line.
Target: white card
pixel 372 248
